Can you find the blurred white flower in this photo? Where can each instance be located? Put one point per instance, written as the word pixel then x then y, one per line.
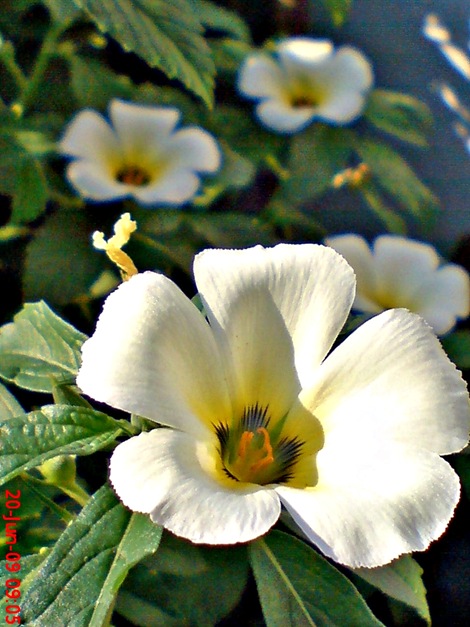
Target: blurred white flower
pixel 306 80
pixel 259 412
pixel 400 272
pixel 141 154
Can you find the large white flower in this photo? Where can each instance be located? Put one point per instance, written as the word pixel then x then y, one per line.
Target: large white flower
pixel 141 154
pixel 306 80
pixel 400 272
pixel 258 412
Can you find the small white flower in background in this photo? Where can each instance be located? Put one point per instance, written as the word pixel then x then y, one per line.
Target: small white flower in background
pixel 401 272
pixel 306 80
pixel 259 412
pixel 141 154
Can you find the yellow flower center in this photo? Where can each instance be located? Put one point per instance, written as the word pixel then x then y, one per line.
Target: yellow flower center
pixel 133 175
pixel 253 451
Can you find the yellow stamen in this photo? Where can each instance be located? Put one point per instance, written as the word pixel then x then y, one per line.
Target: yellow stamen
pixel 269 458
pixel 123 230
pixel 245 440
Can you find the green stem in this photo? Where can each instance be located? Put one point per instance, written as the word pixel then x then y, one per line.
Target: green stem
pixel 47 51
pixel 76 493
pixel 7 56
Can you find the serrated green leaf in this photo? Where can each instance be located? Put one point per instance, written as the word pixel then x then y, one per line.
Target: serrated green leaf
pixel 165 33
pixel 374 200
pixel 457 346
pixel 184 584
pixel 28 440
pixel 94 85
pixel 316 155
pixel 9 406
pixel 38 347
pixel 141 538
pixel 71 579
pixel 401 580
pixel 338 10
pixel 29 563
pixel 400 115
pixel 60 263
pixel 297 586
pixel 397 178
pixel 220 19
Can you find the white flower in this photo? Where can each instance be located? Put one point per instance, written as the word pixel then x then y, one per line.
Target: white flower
pixel 400 272
pixel 258 413
pixel 307 80
pixel 140 155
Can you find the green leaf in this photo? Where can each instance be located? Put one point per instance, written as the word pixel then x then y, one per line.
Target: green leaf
pixel 457 346
pixel 232 230
pixel 400 115
pixel 141 538
pixel 374 200
pixel 165 33
pixel 316 155
pixel 28 440
pixel 30 195
pixel 400 580
pixel 61 10
pixel 221 19
pixel 39 345
pixel 22 178
pixel 61 264
pixel 184 584
pixel 229 54
pixel 297 586
pixel 338 10
pixel 94 85
pixel 396 177
pixel 88 561
pixel 9 406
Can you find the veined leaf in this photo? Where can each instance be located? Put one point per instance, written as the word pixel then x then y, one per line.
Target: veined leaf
pixel 396 177
pixel 37 346
pixel 374 200
pixel 27 441
pixel 400 580
pixel 297 586
pixel 61 10
pixel 399 114
pixel 165 33
pixel 88 563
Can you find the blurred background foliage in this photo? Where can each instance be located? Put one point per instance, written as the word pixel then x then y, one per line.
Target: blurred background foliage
pixel 398 169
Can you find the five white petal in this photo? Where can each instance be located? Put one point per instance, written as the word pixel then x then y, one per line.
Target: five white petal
pixel 140 139
pixel 307 80
pixel 400 272
pixel 388 399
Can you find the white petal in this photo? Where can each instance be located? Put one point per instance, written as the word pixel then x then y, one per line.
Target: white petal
pixel 300 53
pixel 444 298
pixel 341 107
pixel 283 117
pixel 174 187
pixel 95 182
pixel 143 131
pixel 90 137
pixel 309 288
pixel 153 354
pixel 261 77
pixel 391 378
pixel 374 501
pixel 351 70
pixel 195 149
pixel 162 473
pixel 402 266
pixel 357 253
